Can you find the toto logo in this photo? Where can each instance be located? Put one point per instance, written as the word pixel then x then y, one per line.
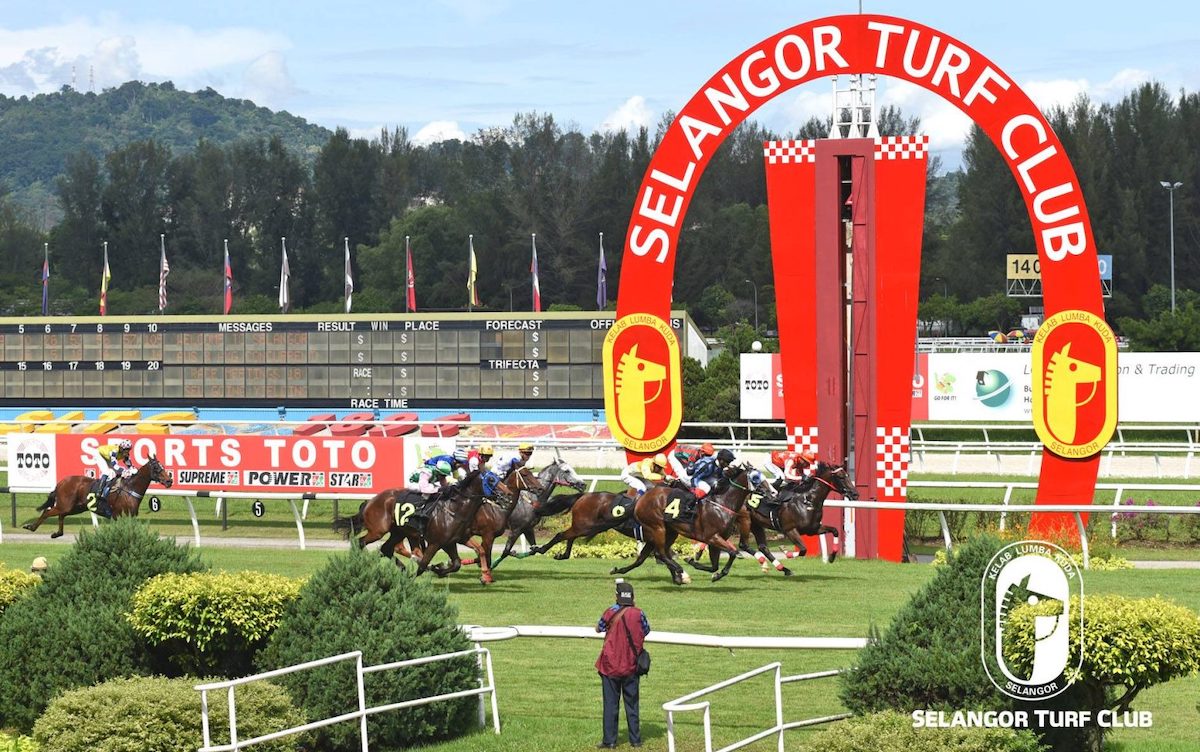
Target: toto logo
pixel 1043 576
pixel 32 459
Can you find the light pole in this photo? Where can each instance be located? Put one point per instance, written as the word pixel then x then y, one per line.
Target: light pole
pixel 945 293
pixel 1171 187
pixel 755 288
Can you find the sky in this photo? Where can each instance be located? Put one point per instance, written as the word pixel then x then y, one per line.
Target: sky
pixel 448 68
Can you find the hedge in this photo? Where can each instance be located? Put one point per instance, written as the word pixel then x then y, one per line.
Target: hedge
pixel 894 732
pixel 359 601
pixel 71 630
pixel 154 714
pixel 210 623
pixel 13 584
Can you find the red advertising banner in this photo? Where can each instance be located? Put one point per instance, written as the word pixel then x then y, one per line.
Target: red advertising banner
pixel 300 464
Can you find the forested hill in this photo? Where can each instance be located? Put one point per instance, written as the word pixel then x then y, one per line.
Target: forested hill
pixel 38 134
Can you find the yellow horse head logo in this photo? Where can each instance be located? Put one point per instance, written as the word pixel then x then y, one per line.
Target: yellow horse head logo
pixel 632 376
pixel 1063 374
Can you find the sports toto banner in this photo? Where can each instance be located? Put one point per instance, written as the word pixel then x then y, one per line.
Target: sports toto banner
pixel 252 463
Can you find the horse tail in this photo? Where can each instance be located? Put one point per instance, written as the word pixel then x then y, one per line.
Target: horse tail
pixel 349 526
pixel 51 499
pixel 559 504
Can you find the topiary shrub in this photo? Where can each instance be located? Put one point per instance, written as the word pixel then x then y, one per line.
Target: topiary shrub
pixel 205 624
pixel 894 732
pixel 13 584
pixel 71 630
pixel 929 656
pixel 153 714
pixel 359 601
pixel 617 546
pixel 1128 645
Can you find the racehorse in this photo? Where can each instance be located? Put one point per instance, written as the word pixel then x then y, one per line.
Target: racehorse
pixel 660 512
pixel 377 517
pixel 525 515
pixel 795 514
pixel 492 519
pixel 70 496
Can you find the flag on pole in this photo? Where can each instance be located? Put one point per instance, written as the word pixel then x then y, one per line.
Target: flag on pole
pixel 228 281
pixel 410 282
pixel 104 277
pixel 537 290
pixel 602 279
pixel 46 281
pixel 163 270
pixel 349 278
pixel 285 274
pixel 472 290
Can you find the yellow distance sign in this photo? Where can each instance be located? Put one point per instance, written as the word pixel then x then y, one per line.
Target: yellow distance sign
pixel 643 389
pixel 1075 400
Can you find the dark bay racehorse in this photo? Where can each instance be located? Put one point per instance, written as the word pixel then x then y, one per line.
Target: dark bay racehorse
pixel 491 519
pixel 796 514
pixel 659 511
pixel 70 496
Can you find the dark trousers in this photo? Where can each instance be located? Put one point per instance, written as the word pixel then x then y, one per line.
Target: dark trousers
pixel 614 689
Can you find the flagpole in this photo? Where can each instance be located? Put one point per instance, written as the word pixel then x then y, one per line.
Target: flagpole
pixel 349 278
pixel 537 294
pixel 470 268
pixel 104 277
pixel 285 273
pixel 410 291
pixel 46 280
pixel 162 273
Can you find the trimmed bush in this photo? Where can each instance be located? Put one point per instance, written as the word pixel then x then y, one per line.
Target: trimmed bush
pixel 616 546
pixel 894 732
pixel 1128 645
pixel 359 601
pixel 210 623
pixel 71 631
pixel 153 714
pixel 929 656
pixel 13 584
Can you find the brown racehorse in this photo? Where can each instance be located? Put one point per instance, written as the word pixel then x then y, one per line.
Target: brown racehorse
pixel 491 519
pixel 796 514
pixel 376 518
pixel 70 495
pixel 659 512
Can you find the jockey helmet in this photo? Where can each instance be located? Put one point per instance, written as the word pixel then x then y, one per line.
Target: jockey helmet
pixel 125 445
pixel 525 448
pixel 660 460
pixel 460 455
pixel 808 456
pixel 442 468
pixel 707 449
pixel 485 450
pixel 725 457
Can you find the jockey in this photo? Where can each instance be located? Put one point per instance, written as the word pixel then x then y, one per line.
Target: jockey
pixel 117 462
pixel 505 464
pixel 431 479
pixel 478 459
pixel 792 467
pixel 708 471
pixel 649 470
pixel 682 458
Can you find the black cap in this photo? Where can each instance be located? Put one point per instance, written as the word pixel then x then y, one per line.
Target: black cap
pixel 624 594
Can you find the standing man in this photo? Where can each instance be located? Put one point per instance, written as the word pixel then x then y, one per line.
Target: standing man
pixel 625 628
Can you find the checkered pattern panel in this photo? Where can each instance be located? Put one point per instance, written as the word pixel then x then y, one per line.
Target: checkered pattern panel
pixel 901 147
pixel 802 439
pixel 790 152
pixel 892 458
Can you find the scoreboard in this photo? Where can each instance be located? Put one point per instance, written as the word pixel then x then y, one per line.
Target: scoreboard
pixel 385 361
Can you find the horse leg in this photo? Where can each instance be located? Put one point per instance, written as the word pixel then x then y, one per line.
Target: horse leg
pixel 763 555
pixel 724 545
pixel 478 549
pixel 645 554
pixel 837 537
pixel 388 549
pixel 713 556
pixel 455 564
pixel 485 558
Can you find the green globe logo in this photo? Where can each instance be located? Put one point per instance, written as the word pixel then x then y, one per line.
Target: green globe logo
pixel 992 388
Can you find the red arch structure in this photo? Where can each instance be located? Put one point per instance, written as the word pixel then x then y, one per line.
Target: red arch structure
pixel 867 44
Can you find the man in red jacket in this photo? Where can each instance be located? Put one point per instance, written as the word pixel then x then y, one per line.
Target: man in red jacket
pixel 625 627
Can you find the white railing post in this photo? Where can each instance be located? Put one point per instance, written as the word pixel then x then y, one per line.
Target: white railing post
pixel 233 737
pixel 945 528
pixel 491 680
pixel 1116 506
pixel 362 703
pixel 708 727
pixel 1083 541
pixel 670 731
pixel 1007 496
pixel 482 679
pixel 299 523
pixel 204 718
pixel 195 522
pixel 779 705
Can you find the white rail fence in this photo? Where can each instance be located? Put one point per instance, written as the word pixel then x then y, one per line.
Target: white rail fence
pixel 486 681
pixel 686 704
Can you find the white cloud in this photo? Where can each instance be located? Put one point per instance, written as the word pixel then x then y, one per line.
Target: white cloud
pixel 630 116
pixel 439 130
pixel 267 82
pixel 38 60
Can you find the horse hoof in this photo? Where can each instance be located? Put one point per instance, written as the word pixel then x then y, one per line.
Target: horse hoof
pixel 55 535
pixel 717 576
pixel 690 561
pixel 613 570
pixel 832 556
pixel 28 526
pixel 787 572
pixel 485 580
pixel 560 557
pixel 686 578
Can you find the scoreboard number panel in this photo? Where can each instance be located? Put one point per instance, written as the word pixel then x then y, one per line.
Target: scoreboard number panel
pixel 385 361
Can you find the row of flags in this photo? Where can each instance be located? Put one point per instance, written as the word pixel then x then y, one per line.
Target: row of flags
pixel 410 296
